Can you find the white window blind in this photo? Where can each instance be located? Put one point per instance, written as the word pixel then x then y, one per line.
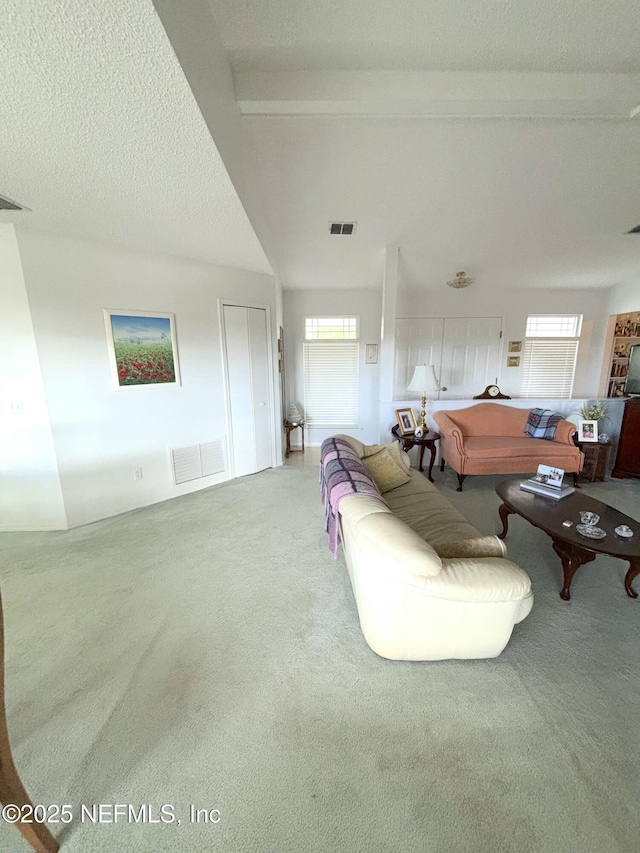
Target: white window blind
pixel 331 383
pixel 548 367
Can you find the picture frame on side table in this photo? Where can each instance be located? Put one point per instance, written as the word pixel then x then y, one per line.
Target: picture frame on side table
pixel 406 421
pixel 143 349
pixel 587 430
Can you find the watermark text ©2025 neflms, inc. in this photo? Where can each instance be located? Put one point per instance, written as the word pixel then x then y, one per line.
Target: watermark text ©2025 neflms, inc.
pixel 165 814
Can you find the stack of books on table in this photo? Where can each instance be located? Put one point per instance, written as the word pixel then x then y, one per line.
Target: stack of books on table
pixel 548 482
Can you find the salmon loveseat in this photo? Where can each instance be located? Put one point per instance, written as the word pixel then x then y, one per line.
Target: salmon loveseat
pixel 489 438
pixel 427 584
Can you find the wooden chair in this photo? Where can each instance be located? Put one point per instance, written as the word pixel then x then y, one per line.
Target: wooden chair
pixel 11 788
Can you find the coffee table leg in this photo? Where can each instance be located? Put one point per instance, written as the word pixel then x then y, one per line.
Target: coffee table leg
pixel 505 512
pixel 572 558
pixel 634 569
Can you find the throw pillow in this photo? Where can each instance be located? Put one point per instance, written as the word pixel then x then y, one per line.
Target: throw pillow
pixel 372 449
pixel 387 468
pixel 542 423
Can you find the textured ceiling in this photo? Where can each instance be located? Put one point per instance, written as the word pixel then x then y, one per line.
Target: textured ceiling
pixel 456 35
pixel 101 137
pixel 393 115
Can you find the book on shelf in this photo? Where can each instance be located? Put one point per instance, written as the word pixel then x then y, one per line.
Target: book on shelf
pixel 548 481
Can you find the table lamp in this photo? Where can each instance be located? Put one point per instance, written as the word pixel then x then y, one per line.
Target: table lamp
pixel 424 381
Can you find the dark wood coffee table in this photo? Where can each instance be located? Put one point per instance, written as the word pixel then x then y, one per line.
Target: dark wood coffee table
pixel 573 549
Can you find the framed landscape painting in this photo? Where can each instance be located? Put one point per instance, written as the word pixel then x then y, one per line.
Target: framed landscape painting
pixel 142 348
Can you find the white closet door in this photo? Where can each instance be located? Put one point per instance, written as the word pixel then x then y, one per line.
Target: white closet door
pixel 470 355
pixel 249 393
pixel 262 424
pixel 418 341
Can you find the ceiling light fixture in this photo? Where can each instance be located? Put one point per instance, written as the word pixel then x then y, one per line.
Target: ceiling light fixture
pixel 461 280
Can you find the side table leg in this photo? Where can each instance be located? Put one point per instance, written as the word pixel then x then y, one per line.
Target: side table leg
pixel 634 569
pixel 432 448
pixel 505 512
pixel 441 461
pixel 421 458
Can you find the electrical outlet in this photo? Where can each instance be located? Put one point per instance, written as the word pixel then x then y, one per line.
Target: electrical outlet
pixel 16 407
pixel 137 473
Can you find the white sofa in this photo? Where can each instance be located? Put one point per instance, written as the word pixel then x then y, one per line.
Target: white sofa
pixel 427 584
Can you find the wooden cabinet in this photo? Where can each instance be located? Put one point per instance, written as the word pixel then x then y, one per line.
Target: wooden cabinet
pixel 628 456
pixel 596 456
pixel 626 334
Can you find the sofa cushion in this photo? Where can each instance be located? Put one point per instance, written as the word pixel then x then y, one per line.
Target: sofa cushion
pixel 427 511
pixel 501 446
pixel 387 468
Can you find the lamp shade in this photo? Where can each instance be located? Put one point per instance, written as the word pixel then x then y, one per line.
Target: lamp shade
pixel 424 379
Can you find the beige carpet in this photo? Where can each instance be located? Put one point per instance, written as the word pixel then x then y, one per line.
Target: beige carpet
pixel 206 651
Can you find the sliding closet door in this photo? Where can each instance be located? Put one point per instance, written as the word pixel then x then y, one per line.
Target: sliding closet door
pixel 249 388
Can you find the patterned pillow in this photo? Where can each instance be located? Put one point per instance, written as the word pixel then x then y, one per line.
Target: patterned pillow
pixel 542 423
pixel 372 449
pixel 387 468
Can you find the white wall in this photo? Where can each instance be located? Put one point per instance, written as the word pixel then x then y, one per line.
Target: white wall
pixel 102 434
pixel 624 298
pixel 514 306
pixel 366 304
pixel 30 492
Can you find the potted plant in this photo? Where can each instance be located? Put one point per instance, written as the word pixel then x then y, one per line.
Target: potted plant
pixel 595 410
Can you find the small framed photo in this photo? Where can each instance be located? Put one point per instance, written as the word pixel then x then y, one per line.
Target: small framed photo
pixel 371 354
pixel 587 430
pixel 513 361
pixel 515 346
pixel 406 421
pixel 143 350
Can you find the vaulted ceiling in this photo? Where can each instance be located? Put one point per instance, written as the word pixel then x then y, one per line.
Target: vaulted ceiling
pixel 474 134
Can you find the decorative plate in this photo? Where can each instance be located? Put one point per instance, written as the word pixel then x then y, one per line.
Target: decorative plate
pixel 625 532
pixel 590 532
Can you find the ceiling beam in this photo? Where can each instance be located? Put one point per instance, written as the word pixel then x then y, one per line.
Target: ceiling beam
pixel 437 94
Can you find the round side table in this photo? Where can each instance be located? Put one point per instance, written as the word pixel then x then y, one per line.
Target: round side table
pixel 427 440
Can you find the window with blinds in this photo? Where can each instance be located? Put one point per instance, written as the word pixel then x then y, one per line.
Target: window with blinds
pixel 331 355
pixel 549 356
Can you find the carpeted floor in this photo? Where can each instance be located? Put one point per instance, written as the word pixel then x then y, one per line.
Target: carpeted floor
pixel 206 651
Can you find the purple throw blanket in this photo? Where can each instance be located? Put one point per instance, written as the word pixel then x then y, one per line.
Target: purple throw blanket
pixel 341 474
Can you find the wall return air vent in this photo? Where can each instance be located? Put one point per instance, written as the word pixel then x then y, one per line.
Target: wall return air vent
pixel 346 228
pixel 199 460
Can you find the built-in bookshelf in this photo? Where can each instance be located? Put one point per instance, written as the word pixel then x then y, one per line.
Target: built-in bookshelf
pixel 625 335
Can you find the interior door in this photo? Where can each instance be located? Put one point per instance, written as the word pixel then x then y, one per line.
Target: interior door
pixel 247 366
pixel 418 341
pixel 470 355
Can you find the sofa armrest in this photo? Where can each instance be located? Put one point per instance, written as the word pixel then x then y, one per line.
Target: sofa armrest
pixel 483 579
pixel 565 432
pixel 449 428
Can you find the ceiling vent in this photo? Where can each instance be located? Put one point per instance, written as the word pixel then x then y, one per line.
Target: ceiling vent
pixel 635 230
pixel 347 228
pixel 7 204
